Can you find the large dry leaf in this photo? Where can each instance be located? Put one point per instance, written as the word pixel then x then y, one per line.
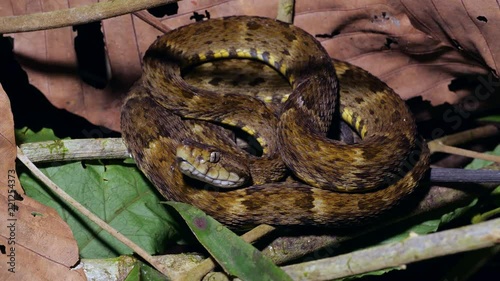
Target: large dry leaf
pixel 36 244
pixel 417 47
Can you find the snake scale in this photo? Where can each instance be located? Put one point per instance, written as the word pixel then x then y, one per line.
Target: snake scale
pixel 164 119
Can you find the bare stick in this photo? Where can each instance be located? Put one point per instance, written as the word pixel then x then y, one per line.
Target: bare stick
pixel 399 254
pixel 77 149
pixel 102 224
pixel 74 16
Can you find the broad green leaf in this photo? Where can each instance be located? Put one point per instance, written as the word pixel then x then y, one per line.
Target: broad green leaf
pixel 118 194
pixel 26 135
pixel 236 256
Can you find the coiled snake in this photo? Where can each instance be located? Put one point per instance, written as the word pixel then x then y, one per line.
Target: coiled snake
pixel 164 120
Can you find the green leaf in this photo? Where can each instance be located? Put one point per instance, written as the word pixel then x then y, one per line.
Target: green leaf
pixel 236 256
pixel 26 135
pixel 477 164
pixel 491 118
pixel 150 274
pixel 119 195
pixel 134 274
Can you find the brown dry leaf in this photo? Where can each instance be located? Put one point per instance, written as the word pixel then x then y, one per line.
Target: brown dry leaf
pixel 49 59
pixel 417 47
pixel 388 40
pixel 36 243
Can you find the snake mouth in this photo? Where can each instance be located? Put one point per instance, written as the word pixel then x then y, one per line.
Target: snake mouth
pixel 210 175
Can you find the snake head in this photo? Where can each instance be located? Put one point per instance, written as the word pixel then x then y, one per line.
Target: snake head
pixel 211 165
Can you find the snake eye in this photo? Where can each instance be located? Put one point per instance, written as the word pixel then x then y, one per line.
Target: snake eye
pixel 214 157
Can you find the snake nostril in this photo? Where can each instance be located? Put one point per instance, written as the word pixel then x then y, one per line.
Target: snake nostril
pixel 214 157
pixel 200 159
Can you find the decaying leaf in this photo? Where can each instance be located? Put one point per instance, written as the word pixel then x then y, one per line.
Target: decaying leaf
pixel 34 240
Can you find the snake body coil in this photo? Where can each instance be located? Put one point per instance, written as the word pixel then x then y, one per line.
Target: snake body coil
pixel 162 113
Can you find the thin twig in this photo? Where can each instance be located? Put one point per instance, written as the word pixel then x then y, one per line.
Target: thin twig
pixel 73 16
pixel 398 254
pixel 446 143
pixel 151 20
pixel 102 224
pixel 467 153
pixel 465 136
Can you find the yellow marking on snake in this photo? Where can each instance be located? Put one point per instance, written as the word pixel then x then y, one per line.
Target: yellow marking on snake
pixel 221 54
pixel 358 124
pixel 348 116
pixel 268 99
pixel 248 130
pixel 244 53
pixel 285 98
pixel 230 122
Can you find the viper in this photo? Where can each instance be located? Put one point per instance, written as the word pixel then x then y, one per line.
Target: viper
pixel 177 132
